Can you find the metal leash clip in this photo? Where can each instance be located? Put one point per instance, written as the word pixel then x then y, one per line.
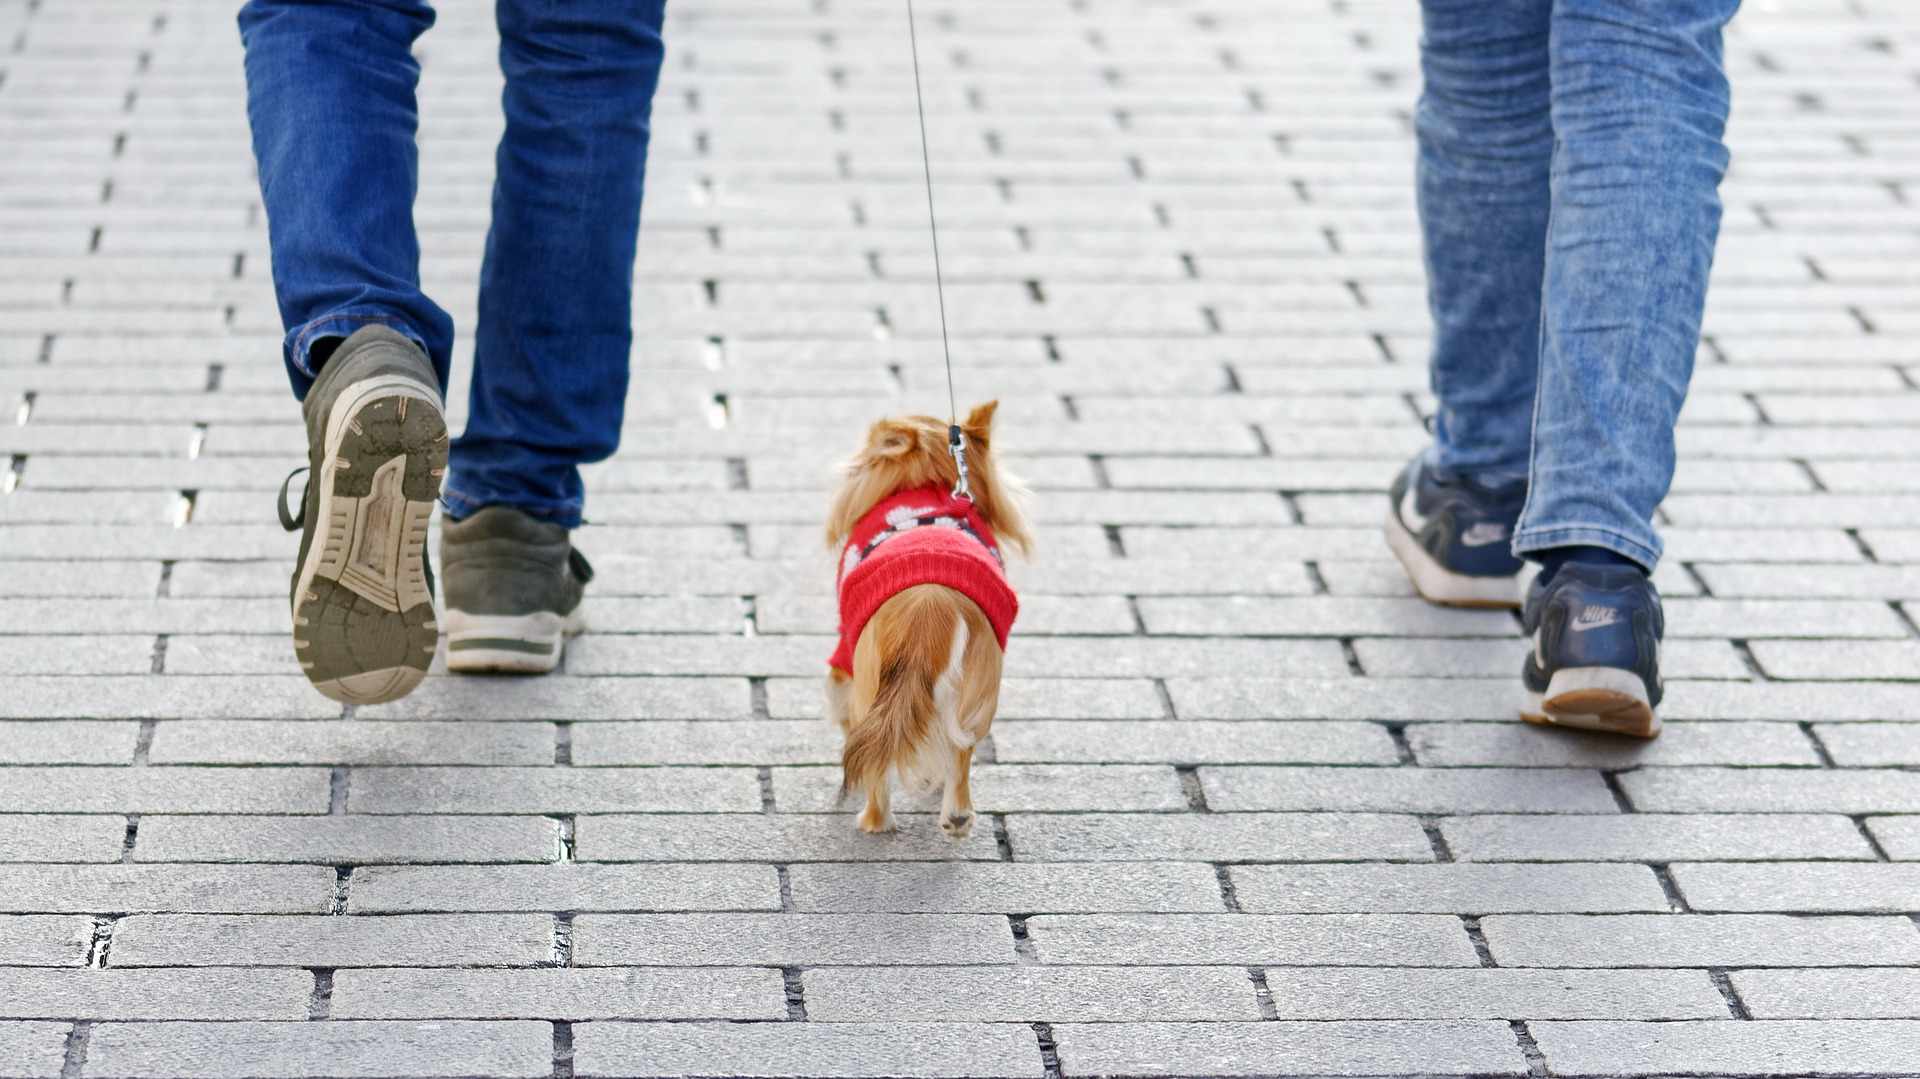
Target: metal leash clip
pixel 957 445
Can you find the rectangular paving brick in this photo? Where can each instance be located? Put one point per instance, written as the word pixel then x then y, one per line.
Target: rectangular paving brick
pixel 770 838
pixel 432 940
pixel 1407 790
pixel 35 1050
pixel 1525 746
pixel 167 790
pixel 1451 888
pixel 1278 837
pixel 356 741
pixel 1326 993
pixel 28 837
pixel 565 994
pixel 61 742
pixel 1898 836
pixel 552 790
pixel 1456 1047
pixel 1258 939
pixel 1642 837
pixel 1838 993
pixel 1775 1047
pixel 1192 742
pixel 348 839
pixel 1839 887
pixel 1006 788
pixel 995 888
pixel 1735 790
pixel 365 1050
pixel 169 993
pixel 789 939
pixel 44 940
pixel 569 886
pixel 1871 744
pixel 82 889
pixel 1683 940
pixel 853 1050
pixel 1029 994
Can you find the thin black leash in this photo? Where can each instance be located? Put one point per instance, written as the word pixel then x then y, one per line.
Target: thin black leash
pixel 956 442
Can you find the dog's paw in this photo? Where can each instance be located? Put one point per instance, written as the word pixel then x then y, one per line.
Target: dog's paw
pixel 958 826
pixel 874 823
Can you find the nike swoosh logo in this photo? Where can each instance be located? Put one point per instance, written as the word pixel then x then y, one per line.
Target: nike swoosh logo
pixel 1410 514
pixel 1483 535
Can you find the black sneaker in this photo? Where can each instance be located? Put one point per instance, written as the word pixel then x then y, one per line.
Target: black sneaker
pixel 1596 650
pixel 362 598
pixel 514 584
pixel 1454 536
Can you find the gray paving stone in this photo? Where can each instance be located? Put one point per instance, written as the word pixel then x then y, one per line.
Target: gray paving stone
pixel 771 838
pixel 1871 744
pixel 60 838
pixel 99 654
pixel 80 889
pixel 564 994
pixel 789 939
pixel 357 741
pixel 44 940
pixel 1456 1047
pixel 1192 742
pixel 706 742
pixel 1777 1047
pixel 852 1050
pixel 994 888
pixel 1525 746
pixel 1838 887
pixel 1500 658
pixel 365 1050
pixel 1900 836
pixel 1006 788
pixel 1342 697
pixel 162 697
pixel 1699 940
pixel 1643 837
pixel 1839 660
pixel 1868 702
pixel 1407 790
pixel 34 1050
pixel 573 698
pixel 1317 616
pixel 61 742
pixel 400 940
pixel 1323 993
pixel 1209 837
pixel 1452 888
pixel 552 790
pixel 1840 993
pixel 1733 790
pixel 1164 657
pixel 347 839
pixel 1029 994
pixel 577 886
pixel 157 994
pixel 1412 940
pixel 167 790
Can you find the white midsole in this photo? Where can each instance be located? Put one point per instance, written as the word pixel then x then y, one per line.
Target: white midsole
pixel 342 411
pixel 1440 584
pixel 539 628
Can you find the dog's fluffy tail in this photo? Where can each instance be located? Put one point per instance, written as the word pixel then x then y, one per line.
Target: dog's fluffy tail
pixel 904 650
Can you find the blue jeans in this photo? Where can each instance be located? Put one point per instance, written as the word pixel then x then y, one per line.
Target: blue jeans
pixel 330 94
pixel 1570 160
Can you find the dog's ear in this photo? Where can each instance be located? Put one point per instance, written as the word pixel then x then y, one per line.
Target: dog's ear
pixel 979 423
pixel 890 439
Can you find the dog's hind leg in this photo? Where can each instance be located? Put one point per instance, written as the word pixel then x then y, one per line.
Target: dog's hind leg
pixel 877 814
pixel 956 801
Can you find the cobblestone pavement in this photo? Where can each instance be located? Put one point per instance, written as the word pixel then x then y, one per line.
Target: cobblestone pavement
pixel 1254 809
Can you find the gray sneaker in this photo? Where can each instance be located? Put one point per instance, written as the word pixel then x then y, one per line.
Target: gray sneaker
pixel 362 598
pixel 513 591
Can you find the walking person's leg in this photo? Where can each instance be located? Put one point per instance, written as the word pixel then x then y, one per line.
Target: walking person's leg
pixel 1640 104
pixel 555 323
pixel 1485 146
pixel 330 97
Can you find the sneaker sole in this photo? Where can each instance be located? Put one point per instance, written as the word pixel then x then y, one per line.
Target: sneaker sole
pixel 508 644
pixel 1438 584
pixel 363 618
pixel 1595 699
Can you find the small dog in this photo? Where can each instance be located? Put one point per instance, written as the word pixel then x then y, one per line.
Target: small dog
pixel 924 610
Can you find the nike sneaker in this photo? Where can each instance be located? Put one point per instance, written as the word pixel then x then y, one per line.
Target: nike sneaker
pixel 1454 536
pixel 1595 662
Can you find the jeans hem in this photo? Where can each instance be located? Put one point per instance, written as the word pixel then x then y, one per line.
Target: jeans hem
pixel 300 338
pixel 1528 541
pixel 566 514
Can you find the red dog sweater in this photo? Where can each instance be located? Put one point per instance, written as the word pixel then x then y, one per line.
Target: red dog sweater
pixel 920 536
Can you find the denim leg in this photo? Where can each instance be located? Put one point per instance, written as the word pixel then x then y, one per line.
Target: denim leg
pixel 556 290
pixel 1485 146
pixel 330 96
pixel 1639 106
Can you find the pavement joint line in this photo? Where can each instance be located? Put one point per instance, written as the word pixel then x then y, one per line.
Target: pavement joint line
pixel 1049 1050
pixel 74 1056
pixel 1676 899
pixel 1735 1006
pixel 796 993
pixel 320 996
pixel 1537 1065
pixel 1229 894
pixel 1471 923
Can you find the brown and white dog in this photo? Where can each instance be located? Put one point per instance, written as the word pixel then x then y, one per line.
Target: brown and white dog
pixel 924 610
